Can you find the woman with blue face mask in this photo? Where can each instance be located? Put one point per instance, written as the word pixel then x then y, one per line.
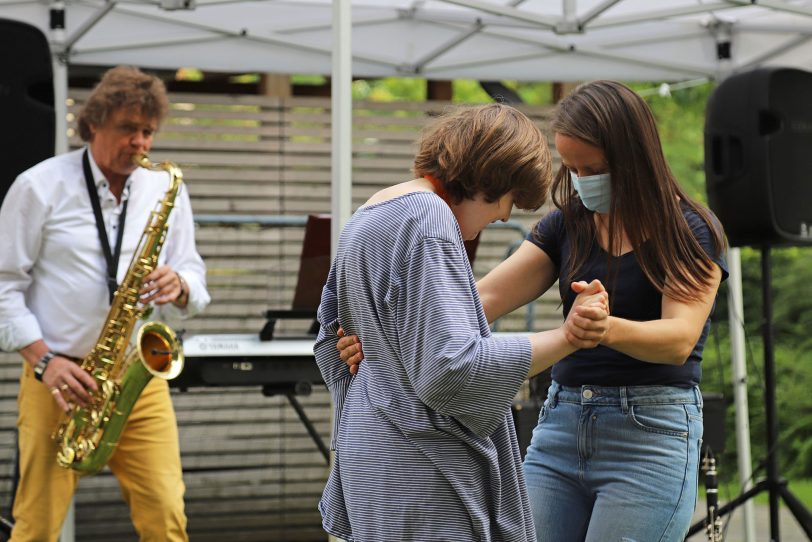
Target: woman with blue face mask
pixel 615 453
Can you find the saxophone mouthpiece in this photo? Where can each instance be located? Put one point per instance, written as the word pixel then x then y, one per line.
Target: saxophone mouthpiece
pixel 142 160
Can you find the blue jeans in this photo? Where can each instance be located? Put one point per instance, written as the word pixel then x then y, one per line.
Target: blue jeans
pixel 615 464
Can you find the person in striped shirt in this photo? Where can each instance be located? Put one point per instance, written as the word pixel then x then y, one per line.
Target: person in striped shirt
pixel 425 448
pixel 615 453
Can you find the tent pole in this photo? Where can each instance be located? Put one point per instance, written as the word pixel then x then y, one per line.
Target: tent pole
pixel 59 57
pixel 341 117
pixel 341 102
pixel 735 306
pixel 59 60
pixel 60 106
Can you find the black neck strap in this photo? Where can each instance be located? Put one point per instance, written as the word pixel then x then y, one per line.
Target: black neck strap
pixel 112 259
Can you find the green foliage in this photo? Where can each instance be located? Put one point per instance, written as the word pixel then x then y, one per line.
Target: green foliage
pixel 465 91
pixel 308 79
pixel 792 292
pixel 468 91
pixel 535 93
pixel 680 121
pixel 793 374
pixel 390 89
pixel 791 272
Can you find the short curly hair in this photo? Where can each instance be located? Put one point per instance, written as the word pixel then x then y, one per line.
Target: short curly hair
pixel 491 150
pixel 123 87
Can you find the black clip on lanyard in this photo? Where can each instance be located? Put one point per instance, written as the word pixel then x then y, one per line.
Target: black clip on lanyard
pixel 112 259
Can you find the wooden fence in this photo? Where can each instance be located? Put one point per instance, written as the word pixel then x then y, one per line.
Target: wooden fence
pixel 252 471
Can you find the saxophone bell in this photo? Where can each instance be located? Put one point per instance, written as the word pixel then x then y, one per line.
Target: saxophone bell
pixel 159 350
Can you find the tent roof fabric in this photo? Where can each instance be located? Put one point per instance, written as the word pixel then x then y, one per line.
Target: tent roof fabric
pixel 568 40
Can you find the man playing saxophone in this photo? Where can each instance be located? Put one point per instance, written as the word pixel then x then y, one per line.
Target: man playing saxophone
pixel 70 226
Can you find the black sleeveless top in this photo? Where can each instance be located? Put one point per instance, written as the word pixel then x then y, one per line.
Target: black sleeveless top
pixel 632 297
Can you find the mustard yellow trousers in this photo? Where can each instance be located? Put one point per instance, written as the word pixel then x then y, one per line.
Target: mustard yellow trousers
pixel 146 464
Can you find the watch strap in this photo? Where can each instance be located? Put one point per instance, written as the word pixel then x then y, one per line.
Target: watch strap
pixel 42 364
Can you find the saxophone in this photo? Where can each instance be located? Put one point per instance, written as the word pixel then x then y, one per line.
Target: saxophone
pixel 86 437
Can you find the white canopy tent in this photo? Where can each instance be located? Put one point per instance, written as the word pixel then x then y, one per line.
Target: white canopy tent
pixel 536 40
pixel 551 40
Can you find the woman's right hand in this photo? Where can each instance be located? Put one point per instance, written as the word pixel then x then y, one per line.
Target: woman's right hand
pixel 588 320
pixel 349 350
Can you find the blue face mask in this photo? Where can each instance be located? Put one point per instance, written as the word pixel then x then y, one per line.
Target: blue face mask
pixel 595 191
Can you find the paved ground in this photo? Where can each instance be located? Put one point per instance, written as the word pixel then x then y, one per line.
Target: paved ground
pixel 789 530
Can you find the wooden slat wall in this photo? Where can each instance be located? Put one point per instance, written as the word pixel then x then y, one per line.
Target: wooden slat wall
pixel 9 384
pixel 251 470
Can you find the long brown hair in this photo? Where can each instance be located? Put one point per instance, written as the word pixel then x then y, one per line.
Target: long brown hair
pixel 646 197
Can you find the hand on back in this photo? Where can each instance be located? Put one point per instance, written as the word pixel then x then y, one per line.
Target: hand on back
pixel 350 352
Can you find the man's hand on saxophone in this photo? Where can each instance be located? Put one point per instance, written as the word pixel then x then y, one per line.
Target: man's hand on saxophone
pixel 164 285
pixel 69 384
pixel 72 384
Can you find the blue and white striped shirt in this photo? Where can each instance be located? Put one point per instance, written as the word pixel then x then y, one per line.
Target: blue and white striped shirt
pixel 425 446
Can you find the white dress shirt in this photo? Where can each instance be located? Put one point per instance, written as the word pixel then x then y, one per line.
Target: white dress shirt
pixel 52 267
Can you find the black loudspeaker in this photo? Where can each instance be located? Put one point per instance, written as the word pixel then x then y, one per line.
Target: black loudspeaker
pixel 26 100
pixel 758 156
pixel 713 415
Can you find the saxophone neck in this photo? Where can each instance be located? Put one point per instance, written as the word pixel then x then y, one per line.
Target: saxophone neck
pixel 175 173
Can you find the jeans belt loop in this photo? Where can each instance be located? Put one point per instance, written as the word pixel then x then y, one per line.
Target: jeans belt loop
pixel 555 389
pixel 624 400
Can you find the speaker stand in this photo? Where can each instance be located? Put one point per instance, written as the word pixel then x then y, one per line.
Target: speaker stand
pixel 773 484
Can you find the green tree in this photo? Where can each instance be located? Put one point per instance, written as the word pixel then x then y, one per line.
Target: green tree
pixel 680 120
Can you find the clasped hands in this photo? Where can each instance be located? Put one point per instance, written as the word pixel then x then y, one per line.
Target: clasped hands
pixel 588 319
pixel 585 327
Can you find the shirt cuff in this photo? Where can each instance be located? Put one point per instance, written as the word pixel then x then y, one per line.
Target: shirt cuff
pixel 198 296
pixel 19 333
pixel 196 300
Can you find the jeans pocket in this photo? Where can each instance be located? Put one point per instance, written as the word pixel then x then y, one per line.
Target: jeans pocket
pixel 663 419
pixel 694 412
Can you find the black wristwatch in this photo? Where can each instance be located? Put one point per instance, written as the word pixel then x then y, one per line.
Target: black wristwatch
pixel 41 365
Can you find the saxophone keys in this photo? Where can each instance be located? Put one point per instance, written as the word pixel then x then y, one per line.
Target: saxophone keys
pixel 65 456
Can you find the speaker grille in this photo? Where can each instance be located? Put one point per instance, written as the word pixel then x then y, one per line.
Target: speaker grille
pixel 758 157
pixel 26 100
